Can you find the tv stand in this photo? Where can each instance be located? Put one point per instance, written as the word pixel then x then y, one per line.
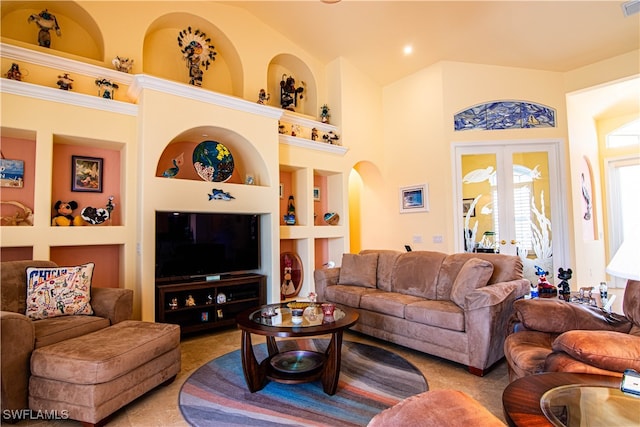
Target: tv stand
pixel 213 304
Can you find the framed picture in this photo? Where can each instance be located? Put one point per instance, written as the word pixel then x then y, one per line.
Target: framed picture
pixel 86 174
pixel 281 190
pixel 316 194
pixel 414 198
pixel 466 206
pixel 11 173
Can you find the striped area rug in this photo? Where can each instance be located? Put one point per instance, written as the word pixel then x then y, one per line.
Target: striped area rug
pixel 371 379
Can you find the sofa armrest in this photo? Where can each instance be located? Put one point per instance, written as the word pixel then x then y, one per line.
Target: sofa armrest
pixel 17 342
pixel 323 278
pixel 488 296
pixel 622 351
pixel 555 316
pixel 114 304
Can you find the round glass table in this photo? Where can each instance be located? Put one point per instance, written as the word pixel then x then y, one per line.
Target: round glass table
pixel 293 366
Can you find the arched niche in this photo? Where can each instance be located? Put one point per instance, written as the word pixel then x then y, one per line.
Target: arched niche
pixel 80 34
pixel 247 160
pixel 162 56
pixel 290 65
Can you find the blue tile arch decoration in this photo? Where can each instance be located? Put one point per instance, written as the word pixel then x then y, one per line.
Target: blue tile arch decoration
pixel 497 115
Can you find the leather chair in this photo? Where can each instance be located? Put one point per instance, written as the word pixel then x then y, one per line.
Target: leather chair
pixel 549 335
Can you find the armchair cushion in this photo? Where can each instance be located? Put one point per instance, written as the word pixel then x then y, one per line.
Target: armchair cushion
pixel 604 349
pixel 474 274
pixel 59 291
pixel 359 270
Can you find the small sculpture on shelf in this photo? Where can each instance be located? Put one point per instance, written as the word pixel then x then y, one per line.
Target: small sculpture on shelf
pixel 46 22
pixel 14 72
pixel 565 288
pixel 289 92
pixel 220 195
pixel 65 82
pixel 209 300
pixel 177 162
pixel 263 97
pixel 173 305
pixel 295 130
pixel 314 134
pixel 197 52
pixel 122 64
pixel 94 216
pixel 281 128
pixel 331 138
pixel 290 217
pixel 106 88
pixel 545 289
pixel 324 114
pixel 190 302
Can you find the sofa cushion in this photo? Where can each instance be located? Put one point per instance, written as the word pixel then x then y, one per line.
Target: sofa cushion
pixel 442 314
pixel 13 283
pixel 359 270
pixel 474 274
pixel 56 329
pixel 587 346
pixel 389 303
pixel 347 295
pixel 416 273
pixel 386 263
pixel 59 291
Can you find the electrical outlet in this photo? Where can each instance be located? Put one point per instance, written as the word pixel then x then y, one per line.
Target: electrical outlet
pixel 417 238
pixel 437 238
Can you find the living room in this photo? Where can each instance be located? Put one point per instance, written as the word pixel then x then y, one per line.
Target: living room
pixel 393 133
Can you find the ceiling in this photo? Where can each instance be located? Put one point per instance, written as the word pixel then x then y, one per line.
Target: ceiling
pixel 545 35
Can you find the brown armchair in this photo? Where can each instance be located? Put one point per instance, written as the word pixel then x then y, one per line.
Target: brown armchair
pixel 20 335
pixel 556 336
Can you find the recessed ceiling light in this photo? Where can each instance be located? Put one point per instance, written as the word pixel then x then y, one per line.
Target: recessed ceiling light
pixel 408 49
pixel 330 1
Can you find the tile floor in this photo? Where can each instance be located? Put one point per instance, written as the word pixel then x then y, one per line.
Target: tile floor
pixel 160 407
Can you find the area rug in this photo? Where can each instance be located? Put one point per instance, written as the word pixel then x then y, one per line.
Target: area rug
pixel 371 379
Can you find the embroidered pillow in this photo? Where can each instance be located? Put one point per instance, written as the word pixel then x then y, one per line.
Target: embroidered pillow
pixel 359 270
pixel 59 291
pixel 474 274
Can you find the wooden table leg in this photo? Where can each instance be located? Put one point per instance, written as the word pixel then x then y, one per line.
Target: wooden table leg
pixel 331 369
pixel 272 346
pixel 254 375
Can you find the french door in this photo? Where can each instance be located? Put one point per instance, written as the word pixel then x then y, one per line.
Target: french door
pixel 509 201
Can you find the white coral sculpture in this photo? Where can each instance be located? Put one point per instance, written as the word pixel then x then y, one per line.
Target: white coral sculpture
pixel 541 241
pixel 470 235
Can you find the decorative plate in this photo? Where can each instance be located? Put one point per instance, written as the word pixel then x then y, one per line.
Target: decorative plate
pixel 213 161
pixel 221 298
pixel 297 361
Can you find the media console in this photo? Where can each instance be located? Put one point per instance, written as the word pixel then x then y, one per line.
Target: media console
pixel 200 304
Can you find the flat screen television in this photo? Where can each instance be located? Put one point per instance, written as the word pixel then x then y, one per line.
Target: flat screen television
pixel 195 245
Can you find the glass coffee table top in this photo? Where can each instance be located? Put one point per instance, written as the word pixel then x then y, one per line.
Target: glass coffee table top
pixel 311 316
pixel 580 405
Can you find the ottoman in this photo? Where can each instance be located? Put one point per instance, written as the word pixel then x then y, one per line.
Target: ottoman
pixel 449 408
pixel 90 377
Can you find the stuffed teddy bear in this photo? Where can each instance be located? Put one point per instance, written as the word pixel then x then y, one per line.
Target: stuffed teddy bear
pixel 64 215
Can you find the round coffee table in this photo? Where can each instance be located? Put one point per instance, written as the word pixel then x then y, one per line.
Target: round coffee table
pixel 521 398
pixel 297 366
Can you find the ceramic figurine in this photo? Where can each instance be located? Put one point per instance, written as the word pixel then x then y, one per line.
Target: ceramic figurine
pixel 46 22
pixel 544 287
pixel 331 138
pixel 281 128
pixel 289 93
pixel 290 217
pixel 173 305
pixel 190 302
pixel 565 288
pixel 197 52
pixel 177 162
pixel 314 134
pixel 263 97
pixel 122 64
pixel 14 72
pixel 324 114
pixel 295 129
pixel 209 300
pixel 106 88
pixel 65 82
pixel 220 195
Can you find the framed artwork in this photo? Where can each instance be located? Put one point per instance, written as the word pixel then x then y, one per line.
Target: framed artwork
pixel 11 173
pixel 414 198
pixel 466 207
pixel 86 174
pixel 316 194
pixel 281 190
pixel 290 275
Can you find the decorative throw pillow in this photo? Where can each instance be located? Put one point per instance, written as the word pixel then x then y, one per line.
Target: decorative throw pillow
pixel 59 291
pixel 359 270
pixel 474 274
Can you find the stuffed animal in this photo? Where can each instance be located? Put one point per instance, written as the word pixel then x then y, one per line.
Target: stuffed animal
pixel 64 215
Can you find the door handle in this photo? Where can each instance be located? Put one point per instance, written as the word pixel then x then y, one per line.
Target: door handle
pixel 503 242
pixel 513 242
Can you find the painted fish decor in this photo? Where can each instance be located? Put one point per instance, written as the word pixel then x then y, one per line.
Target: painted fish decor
pixel 220 195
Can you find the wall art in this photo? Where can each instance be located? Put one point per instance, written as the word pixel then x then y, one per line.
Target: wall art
pixel 467 209
pixel 316 194
pixel 414 198
pixel 11 173
pixel 86 174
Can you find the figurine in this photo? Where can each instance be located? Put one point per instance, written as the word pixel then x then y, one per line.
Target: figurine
pixel 295 129
pixel 190 302
pixel 290 217
pixel 263 97
pixel 122 64
pixel 46 22
pixel 209 300
pixel 289 92
pixel 288 288
pixel 331 138
pixel 197 52
pixel 65 82
pixel 106 88
pixel 314 134
pixel 324 114
pixel 220 195
pixel 173 305
pixel 281 128
pixel 565 288
pixel 544 287
pixel 14 72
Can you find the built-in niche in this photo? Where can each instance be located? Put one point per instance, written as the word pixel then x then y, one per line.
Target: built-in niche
pixel 286 65
pixel 177 159
pixel 162 56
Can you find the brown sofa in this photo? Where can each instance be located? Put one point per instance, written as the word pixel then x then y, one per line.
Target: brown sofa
pixel 21 335
pixel 556 336
pixel 452 306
